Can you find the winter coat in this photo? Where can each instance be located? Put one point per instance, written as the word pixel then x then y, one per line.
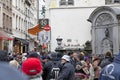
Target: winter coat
pixel 111 71
pixel 67 72
pixel 47 69
pixel 73 61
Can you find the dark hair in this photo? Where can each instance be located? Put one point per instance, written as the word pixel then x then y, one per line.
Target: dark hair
pixel 70 53
pixel 97 58
pixel 59 55
pixel 108 54
pixel 81 57
pixel 53 56
pixel 33 54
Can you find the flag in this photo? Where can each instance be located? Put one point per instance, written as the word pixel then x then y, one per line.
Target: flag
pixel 34 30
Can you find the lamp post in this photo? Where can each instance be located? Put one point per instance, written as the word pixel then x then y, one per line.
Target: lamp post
pixel 59 42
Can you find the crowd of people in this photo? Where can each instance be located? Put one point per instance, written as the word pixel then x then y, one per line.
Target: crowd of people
pixel 58 66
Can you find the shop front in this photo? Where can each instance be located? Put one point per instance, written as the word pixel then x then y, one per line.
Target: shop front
pixel 20 45
pixel 5 41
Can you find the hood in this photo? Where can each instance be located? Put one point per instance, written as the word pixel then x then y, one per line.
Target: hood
pixel 53 56
pixel 117 58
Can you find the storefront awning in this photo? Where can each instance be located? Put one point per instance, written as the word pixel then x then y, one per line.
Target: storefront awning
pixel 4 36
pixel 24 41
pixel 34 30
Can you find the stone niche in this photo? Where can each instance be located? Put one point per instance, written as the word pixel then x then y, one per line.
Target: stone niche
pixel 105 30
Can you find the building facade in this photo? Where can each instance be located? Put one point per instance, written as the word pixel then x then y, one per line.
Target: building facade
pixel 6 25
pixel 105 28
pixel 24 16
pixel 68 19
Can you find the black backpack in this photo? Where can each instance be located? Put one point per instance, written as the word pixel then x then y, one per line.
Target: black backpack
pixel 54 70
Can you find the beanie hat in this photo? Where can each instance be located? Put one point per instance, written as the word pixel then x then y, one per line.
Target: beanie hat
pixel 82 53
pixel 86 58
pixel 31 66
pixel 66 57
pixel 53 55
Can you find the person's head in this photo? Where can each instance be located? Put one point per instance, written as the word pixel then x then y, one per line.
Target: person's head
pixel 24 56
pixel 65 59
pixel 33 55
pixel 14 63
pixel 59 55
pixel 3 55
pixel 95 62
pixel 82 54
pixel 53 56
pixel 80 57
pixel 75 55
pixel 31 66
pixel 86 59
pixel 70 53
pixel 108 54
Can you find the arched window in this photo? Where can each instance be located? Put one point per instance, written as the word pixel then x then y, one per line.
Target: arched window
pixel 63 2
pixel 70 2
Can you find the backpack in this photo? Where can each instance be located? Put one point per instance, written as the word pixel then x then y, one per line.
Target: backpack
pixel 54 70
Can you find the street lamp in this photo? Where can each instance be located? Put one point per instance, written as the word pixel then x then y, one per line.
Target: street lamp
pixel 59 41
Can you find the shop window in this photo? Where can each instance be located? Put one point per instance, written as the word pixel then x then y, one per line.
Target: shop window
pixel 6 44
pixel 70 2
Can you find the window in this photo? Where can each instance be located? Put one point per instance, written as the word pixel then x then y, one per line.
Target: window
pixel 116 1
pixel 3 20
pixel 111 1
pixel 108 1
pixel 70 2
pixel 62 2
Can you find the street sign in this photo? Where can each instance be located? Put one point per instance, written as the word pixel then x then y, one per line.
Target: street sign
pixel 43 22
pixel 46 28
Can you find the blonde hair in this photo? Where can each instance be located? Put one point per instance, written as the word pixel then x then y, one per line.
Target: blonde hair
pixel 14 63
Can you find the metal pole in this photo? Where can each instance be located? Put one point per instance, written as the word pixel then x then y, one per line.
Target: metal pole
pixel 38 10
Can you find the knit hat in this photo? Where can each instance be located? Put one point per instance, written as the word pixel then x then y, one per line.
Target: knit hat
pixel 86 58
pixel 82 53
pixel 31 66
pixel 66 57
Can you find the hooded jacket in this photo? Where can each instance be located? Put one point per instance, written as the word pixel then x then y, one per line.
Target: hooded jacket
pixel 111 71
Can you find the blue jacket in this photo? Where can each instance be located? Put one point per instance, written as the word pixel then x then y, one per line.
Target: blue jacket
pixel 111 71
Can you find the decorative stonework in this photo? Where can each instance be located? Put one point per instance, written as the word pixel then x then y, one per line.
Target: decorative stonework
pixel 103 20
pixel 105 30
